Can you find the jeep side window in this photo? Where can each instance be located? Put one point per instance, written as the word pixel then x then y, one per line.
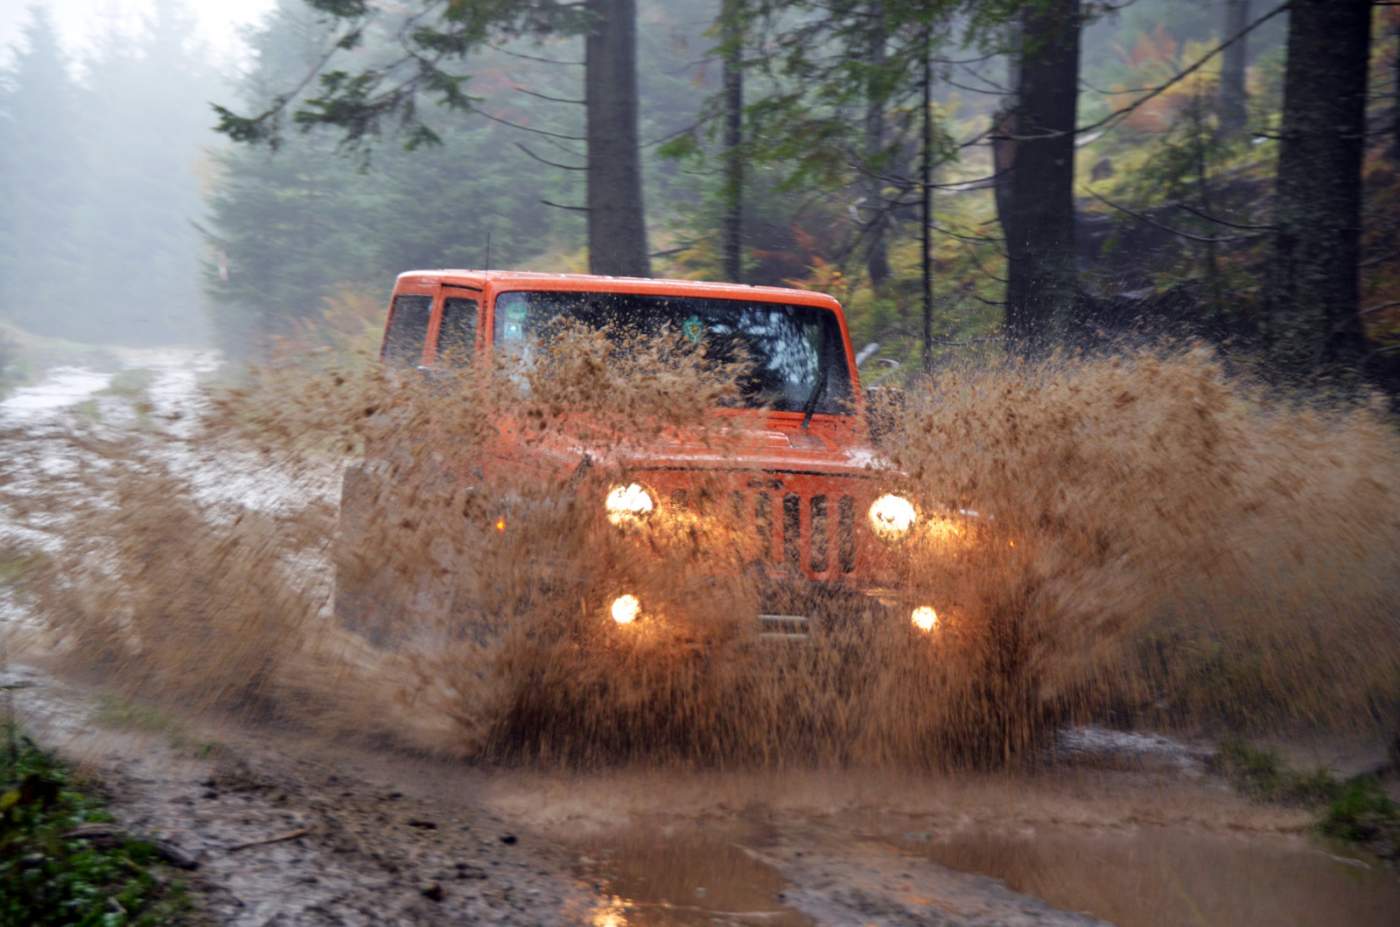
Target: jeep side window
pixel 408 327
pixel 457 332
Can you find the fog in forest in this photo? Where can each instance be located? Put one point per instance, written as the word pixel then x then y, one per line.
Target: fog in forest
pixel 127 219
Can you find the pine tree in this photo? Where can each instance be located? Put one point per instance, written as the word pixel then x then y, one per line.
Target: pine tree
pixel 41 182
pixel 1313 323
pixel 142 200
pixel 1039 223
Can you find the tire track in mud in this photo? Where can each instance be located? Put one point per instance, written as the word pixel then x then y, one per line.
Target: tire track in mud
pixel 286 831
pixel 366 854
pixel 333 834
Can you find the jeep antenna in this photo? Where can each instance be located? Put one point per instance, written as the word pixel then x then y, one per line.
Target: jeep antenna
pixel 487 264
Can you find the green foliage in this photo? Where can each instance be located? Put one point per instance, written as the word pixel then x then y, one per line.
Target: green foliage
pixel 1356 811
pixel 48 878
pixel 395 64
pixel 299 227
pixel 1363 813
pixel 1262 774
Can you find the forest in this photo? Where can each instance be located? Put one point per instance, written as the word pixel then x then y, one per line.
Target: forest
pixel 971 178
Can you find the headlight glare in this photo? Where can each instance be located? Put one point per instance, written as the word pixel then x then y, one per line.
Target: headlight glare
pixel 628 503
pixel 625 609
pixel 892 516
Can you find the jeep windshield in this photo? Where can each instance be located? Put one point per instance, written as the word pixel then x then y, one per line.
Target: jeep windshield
pixel 790 347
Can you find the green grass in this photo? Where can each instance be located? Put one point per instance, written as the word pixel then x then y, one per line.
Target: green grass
pixel 1363 813
pixel 1263 775
pixel 47 878
pixel 1355 810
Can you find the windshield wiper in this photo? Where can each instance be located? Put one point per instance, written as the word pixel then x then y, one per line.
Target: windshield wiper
pixel 823 369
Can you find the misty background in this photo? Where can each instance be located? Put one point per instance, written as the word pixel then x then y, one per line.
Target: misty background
pixel 125 218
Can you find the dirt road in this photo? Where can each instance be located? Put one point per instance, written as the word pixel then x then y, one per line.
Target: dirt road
pixel 293 830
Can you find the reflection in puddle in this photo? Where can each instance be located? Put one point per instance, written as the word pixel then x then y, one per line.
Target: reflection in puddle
pixel 1160 877
pixel 659 880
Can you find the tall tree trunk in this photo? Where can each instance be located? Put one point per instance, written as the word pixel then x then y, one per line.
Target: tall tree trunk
pixel 731 30
pixel 1234 114
pixel 617 233
pixel 1039 219
pixel 1395 83
pixel 926 188
pixel 877 259
pixel 1313 324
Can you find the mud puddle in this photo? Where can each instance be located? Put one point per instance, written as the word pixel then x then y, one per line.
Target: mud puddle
pixel 656 878
pixel 826 872
pixel 1133 847
pixel 1156 877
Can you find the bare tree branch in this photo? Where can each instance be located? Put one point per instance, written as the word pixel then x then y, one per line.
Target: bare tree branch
pixel 1148 220
pixel 525 128
pixel 565 206
pixel 1380 308
pixel 545 96
pixel 562 167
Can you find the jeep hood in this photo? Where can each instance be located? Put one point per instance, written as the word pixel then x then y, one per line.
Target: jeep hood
pixel 736 442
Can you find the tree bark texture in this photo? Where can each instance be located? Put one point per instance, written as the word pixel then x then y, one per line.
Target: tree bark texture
pixel 1395 83
pixel 1038 221
pixel 1234 96
pixel 1313 323
pixel 731 27
pixel 926 211
pixel 617 234
pixel 877 259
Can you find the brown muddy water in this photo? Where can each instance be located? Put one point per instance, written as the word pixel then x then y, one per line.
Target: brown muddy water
pixel 1156 877
pixel 650 879
pixel 1140 877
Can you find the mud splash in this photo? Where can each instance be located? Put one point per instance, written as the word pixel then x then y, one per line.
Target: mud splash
pixel 1154 540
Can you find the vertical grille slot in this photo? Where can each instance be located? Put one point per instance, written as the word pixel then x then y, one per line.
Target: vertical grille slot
pixel 792 529
pixel 846 533
pixel 680 498
pixel 819 556
pixel 763 521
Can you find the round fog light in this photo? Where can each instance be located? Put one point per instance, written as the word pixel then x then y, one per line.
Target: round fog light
pixel 625 609
pixel 924 618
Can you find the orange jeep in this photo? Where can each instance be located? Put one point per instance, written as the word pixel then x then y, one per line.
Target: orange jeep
pixel 799 473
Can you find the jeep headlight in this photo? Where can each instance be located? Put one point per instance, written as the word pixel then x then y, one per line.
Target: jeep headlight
pixel 892 516
pixel 628 503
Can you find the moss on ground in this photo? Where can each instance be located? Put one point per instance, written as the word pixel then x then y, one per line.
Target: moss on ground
pixel 1356 810
pixel 49 876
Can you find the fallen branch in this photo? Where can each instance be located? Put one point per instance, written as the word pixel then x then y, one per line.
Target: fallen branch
pixel 280 838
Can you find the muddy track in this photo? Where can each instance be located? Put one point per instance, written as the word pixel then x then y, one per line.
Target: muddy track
pixel 283 839
pixel 290 830
pixel 284 836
